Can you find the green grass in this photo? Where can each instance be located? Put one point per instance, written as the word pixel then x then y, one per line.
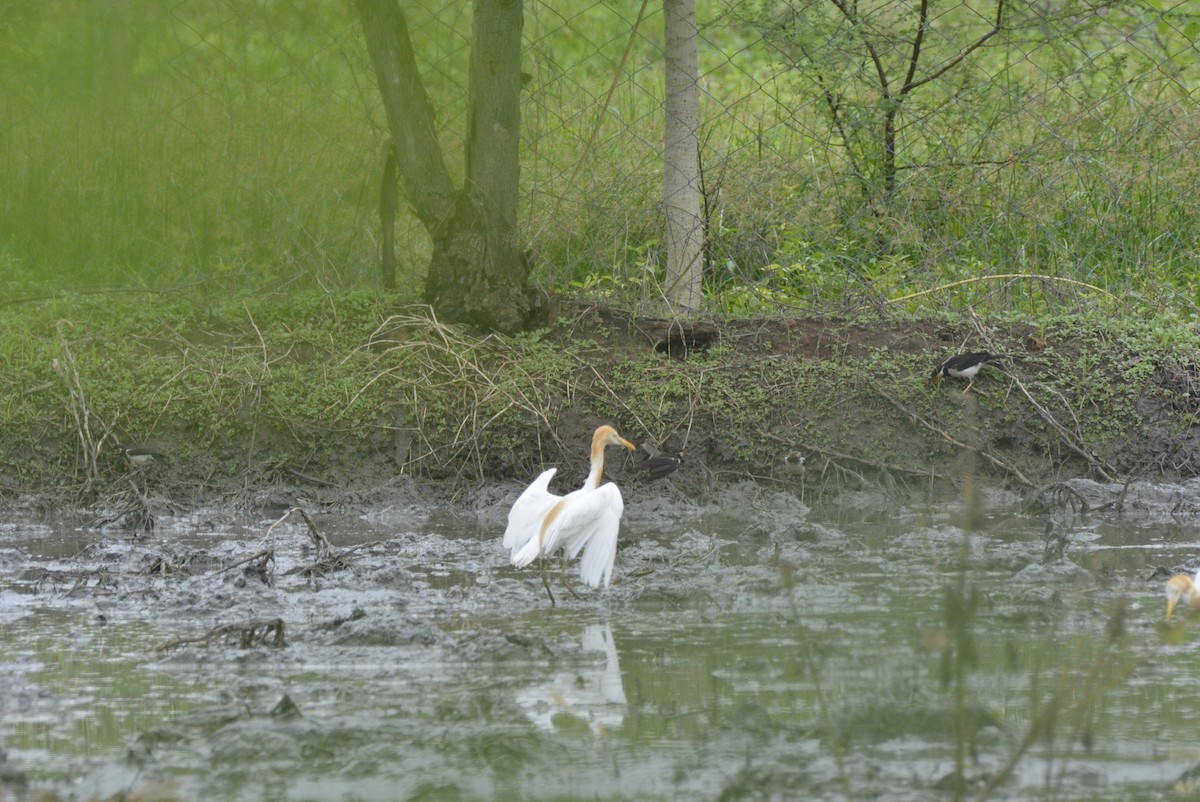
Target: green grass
pixel 346 382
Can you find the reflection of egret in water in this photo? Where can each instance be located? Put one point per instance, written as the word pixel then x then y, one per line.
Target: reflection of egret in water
pixel 591 695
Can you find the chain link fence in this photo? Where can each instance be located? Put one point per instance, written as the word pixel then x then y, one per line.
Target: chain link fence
pixel 851 152
pixel 877 149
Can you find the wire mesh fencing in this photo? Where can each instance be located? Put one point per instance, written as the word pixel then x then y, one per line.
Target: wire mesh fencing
pixel 858 152
pixel 851 152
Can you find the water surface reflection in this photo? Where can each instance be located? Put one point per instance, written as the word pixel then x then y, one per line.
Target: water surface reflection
pixel 592 696
pixel 774 655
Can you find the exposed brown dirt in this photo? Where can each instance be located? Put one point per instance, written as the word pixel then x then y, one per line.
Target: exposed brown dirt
pixel 882 422
pixel 853 398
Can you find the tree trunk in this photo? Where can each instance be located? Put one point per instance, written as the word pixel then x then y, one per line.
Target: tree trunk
pixel 478 273
pixel 427 182
pixel 681 157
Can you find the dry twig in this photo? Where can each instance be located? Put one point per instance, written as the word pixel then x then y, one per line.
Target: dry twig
pixel 89 443
pixel 1072 440
pixel 246 634
pixel 990 457
pixel 434 358
pixel 834 454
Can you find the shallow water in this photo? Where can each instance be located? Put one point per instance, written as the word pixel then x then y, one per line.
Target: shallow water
pixel 751 649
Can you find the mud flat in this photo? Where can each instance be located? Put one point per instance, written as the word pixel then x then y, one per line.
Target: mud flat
pixel 750 647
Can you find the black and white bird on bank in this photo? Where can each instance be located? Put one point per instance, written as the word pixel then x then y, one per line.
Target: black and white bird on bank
pixel 664 463
pixel 967 366
pixel 658 462
pixel 142 457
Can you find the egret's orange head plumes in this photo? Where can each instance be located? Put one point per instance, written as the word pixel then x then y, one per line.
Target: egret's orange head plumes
pixel 1180 587
pixel 607 436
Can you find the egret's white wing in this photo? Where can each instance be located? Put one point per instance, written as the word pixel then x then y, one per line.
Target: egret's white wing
pixel 593 510
pixel 588 520
pixel 574 521
pixel 525 517
pixel 600 548
pixel 527 552
pixel 571 522
pixel 545 539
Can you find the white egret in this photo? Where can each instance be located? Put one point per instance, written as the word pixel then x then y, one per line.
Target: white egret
pixel 541 523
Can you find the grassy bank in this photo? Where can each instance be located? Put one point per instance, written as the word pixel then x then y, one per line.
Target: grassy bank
pixel 358 387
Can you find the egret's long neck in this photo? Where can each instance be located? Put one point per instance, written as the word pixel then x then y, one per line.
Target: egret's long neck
pixel 597 472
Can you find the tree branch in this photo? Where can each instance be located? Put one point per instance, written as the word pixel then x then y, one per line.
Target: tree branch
pixel 410 118
pixel 954 62
pixel 851 16
pixel 835 113
pixel 923 23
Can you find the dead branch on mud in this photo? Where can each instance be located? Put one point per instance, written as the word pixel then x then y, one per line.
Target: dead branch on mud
pixel 841 456
pixel 132 511
pixel 296 473
pixel 989 456
pixel 1069 439
pixel 264 570
pixel 325 549
pixel 98 581
pixel 243 634
pixel 329 558
pixel 1058 495
pixel 1072 440
pixel 164 566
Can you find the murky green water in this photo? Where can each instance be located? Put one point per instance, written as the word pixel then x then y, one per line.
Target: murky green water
pixel 771 654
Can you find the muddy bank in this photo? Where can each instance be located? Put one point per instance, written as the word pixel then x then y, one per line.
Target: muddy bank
pixel 403 406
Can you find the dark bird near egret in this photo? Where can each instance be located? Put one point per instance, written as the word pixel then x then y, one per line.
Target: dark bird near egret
pixel 541 524
pixel 142 457
pixel 1182 587
pixel 664 463
pixel 966 366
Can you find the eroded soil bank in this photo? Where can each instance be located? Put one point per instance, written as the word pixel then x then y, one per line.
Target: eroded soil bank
pixel 357 405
